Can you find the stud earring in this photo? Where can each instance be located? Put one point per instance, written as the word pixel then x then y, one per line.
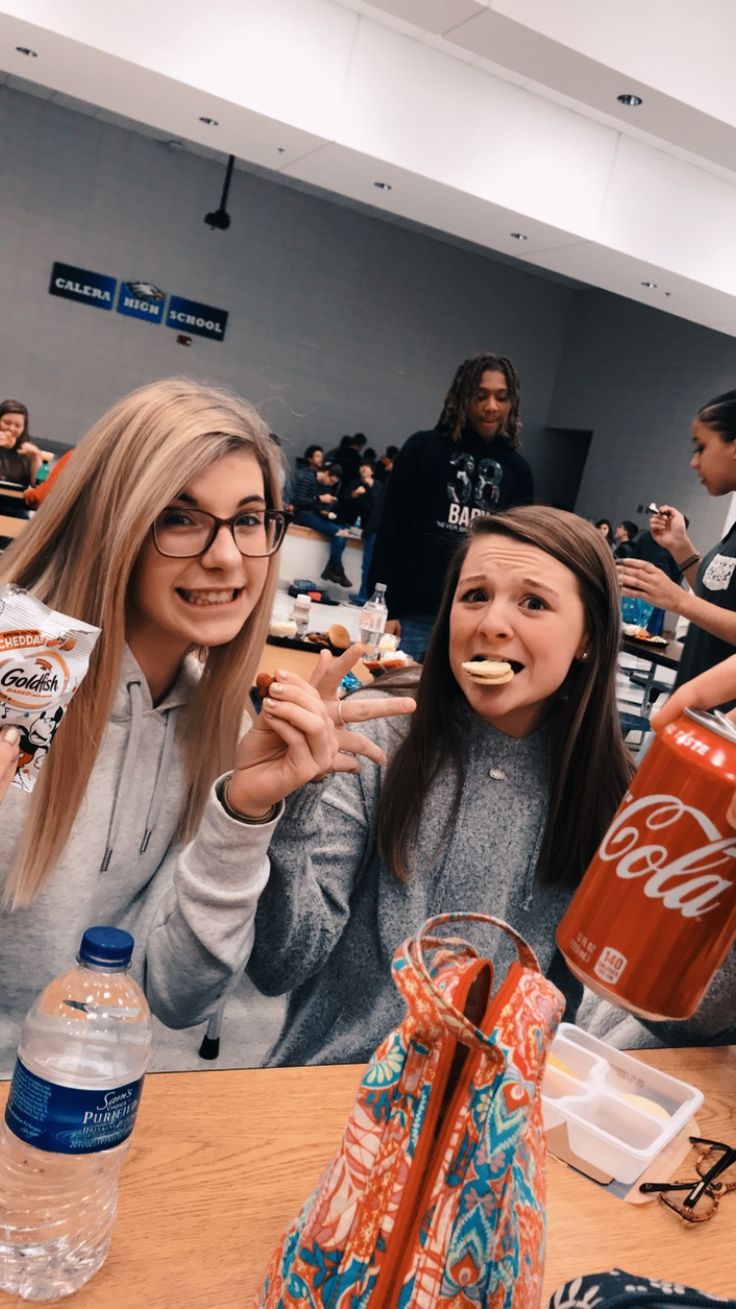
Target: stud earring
pixel 584 656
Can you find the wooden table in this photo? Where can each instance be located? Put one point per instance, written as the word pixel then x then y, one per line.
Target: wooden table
pixel 11 527
pixel 302 662
pixel 222 1161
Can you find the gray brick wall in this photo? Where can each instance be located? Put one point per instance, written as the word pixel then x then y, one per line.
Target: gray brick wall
pixel 636 376
pixel 339 321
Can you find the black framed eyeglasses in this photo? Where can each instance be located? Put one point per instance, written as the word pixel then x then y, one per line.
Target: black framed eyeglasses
pixel 716 1169
pixel 180 533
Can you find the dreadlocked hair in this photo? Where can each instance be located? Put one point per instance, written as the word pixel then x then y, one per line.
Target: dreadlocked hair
pixel 465 385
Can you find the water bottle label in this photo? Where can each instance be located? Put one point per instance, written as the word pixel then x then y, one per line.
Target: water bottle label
pixel 69 1119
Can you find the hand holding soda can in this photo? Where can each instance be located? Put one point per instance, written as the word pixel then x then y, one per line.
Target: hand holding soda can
pixel 655 914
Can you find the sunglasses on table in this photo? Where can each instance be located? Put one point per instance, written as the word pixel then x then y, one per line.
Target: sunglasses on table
pixel 698 1200
pixel 185 533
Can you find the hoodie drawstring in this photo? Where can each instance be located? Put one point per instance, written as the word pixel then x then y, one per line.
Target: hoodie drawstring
pixel 160 783
pixel 130 763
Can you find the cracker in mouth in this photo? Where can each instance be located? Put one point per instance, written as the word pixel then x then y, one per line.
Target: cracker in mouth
pixel 492 672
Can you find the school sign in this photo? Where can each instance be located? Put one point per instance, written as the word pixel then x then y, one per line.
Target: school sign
pixel 141 300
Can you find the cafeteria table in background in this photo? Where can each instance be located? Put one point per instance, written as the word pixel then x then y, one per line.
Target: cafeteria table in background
pixel 222 1161
pixel 636 718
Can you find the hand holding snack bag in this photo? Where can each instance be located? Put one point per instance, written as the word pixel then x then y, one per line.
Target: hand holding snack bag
pixel 9 753
pixel 44 655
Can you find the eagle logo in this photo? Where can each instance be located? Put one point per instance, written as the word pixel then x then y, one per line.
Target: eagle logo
pixel 145 291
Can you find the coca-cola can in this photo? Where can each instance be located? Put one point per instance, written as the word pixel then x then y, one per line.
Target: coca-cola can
pixel 655 913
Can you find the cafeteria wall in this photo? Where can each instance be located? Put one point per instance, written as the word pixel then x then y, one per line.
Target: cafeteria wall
pixel 637 376
pixel 339 321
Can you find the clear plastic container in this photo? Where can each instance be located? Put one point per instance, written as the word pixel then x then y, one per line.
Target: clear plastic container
pixel 619 1113
pixel 84 1049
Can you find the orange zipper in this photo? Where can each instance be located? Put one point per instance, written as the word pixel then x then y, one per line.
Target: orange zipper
pixel 433 1142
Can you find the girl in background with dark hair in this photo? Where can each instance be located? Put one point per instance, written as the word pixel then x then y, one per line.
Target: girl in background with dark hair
pixel 20 459
pixel 494 797
pixel 711 604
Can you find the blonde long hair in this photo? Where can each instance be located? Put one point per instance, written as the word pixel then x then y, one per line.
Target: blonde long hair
pixel 77 555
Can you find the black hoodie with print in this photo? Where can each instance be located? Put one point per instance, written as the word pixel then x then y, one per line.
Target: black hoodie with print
pixel 435 488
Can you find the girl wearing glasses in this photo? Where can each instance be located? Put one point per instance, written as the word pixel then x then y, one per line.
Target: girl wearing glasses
pixel 151 813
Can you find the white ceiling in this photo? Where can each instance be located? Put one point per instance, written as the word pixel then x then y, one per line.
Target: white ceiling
pixel 486 117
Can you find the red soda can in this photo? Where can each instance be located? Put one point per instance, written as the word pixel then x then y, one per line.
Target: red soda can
pixel 655 913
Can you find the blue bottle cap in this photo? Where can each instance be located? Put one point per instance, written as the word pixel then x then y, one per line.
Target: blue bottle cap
pixel 107 947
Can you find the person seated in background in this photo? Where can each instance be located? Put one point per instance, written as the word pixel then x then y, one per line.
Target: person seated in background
pixel 348 454
pixel 603 525
pixel 315 506
pixel 386 463
pixel 624 537
pixel 646 548
pixel 313 458
pixel 371 508
pixel 357 498
pixel 20 459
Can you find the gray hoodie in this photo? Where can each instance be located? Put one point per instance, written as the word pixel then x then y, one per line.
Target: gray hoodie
pixel 189 909
pixel 332 914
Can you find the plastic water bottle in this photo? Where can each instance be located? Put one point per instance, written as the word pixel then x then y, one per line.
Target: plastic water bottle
pixel 43 472
pixel 373 617
pixel 84 1049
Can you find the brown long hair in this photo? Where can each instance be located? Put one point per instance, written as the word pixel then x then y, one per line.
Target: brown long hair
pixel 77 555
pixel 590 765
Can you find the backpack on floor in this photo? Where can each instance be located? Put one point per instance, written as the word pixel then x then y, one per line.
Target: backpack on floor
pixel 436 1194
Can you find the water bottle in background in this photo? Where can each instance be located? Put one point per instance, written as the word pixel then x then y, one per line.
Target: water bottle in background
pixel 373 617
pixel 43 472
pixel 84 1048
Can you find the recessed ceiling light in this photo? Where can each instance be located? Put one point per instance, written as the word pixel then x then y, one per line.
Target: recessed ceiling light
pixel 518 236
pixel 209 122
pixel 26 50
pixel 383 186
pixel 631 100
pixel 651 285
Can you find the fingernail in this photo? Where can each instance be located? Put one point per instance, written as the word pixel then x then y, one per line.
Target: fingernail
pixel 11 735
pixel 276 688
pixel 269 704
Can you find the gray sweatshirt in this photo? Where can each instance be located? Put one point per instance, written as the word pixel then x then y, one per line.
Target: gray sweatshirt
pixel 189 909
pixel 332 914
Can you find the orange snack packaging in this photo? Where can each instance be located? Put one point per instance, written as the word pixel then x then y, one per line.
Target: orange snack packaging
pixel 44 655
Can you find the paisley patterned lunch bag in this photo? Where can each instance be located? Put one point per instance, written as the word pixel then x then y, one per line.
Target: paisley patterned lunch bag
pixel 435 1198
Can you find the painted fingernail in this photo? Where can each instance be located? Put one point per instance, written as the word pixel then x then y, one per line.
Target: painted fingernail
pixel 276 688
pixel 11 735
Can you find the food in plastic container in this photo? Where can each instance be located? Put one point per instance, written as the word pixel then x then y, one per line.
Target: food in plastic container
pixel 618 1112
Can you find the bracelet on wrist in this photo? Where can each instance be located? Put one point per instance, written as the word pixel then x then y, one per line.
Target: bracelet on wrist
pixel 222 795
pixel 688 563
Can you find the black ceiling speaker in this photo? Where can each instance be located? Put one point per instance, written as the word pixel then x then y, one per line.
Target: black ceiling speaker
pixel 219 219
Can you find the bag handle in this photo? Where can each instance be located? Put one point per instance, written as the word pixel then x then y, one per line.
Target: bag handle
pixel 420 987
